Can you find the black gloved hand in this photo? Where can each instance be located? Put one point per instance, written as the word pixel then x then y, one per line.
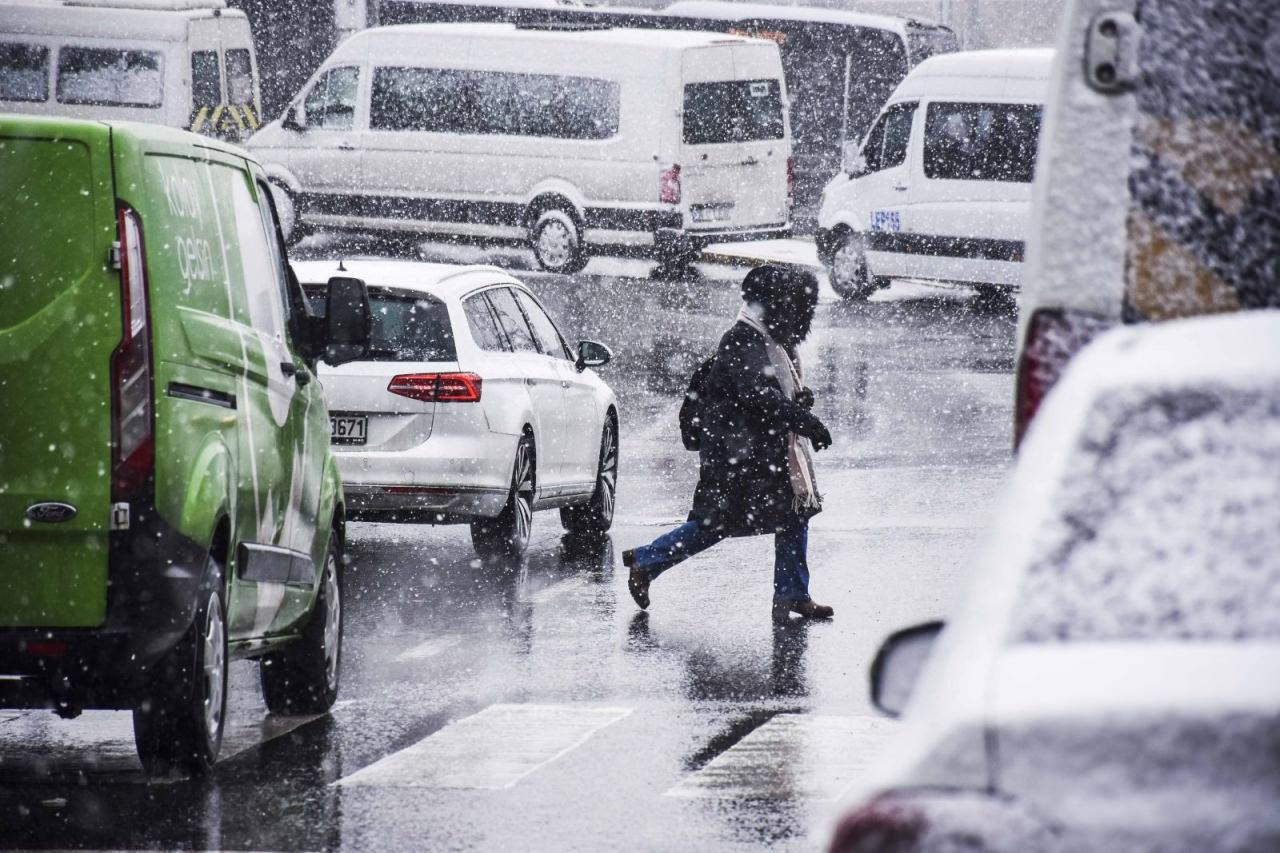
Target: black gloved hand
pixel 804 397
pixel 818 433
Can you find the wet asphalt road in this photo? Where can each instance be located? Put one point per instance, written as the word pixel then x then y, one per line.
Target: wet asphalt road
pixel 531 706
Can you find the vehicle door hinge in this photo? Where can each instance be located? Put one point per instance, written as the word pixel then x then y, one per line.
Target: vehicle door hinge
pixel 1111 52
pixel 113 255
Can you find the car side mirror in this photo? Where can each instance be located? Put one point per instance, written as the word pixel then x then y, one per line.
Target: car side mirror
pixel 348 318
pixel 290 121
pixel 897 666
pixel 592 354
pixel 857 166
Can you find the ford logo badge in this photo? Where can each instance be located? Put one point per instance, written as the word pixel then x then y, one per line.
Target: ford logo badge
pixel 51 512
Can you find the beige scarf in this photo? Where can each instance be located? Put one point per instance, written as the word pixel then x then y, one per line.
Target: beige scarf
pixel 799 451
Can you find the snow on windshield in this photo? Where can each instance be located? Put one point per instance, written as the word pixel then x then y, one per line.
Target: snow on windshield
pixel 1167 525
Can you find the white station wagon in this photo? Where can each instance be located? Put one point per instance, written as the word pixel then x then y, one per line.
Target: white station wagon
pixel 470 406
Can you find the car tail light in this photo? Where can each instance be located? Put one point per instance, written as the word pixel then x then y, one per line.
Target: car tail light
pixel 437 387
pixel 933 819
pixel 47 648
pixel 132 432
pixel 669 185
pixel 1053 338
pixel 791 182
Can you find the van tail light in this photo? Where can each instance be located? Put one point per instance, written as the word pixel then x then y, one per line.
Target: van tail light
pixel 1053 338
pixel 669 185
pixel 791 182
pixel 954 819
pixel 437 387
pixel 132 405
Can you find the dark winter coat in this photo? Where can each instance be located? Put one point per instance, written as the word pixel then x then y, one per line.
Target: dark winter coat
pixel 744 486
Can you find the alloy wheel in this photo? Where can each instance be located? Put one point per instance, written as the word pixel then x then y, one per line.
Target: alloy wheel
pixel 333 621
pixel 608 484
pixel 523 493
pixel 215 665
pixel 556 244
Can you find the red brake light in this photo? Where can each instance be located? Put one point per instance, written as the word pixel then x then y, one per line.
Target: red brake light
pixel 791 181
pixel 669 185
pixel 132 434
pixel 1053 338
pixel 47 648
pixel 885 823
pixel 437 387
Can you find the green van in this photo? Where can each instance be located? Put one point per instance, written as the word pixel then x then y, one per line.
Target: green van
pixel 168 499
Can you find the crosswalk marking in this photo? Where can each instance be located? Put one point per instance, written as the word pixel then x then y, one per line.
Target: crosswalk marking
pixel 557 589
pixel 492 749
pixel 815 757
pixel 430 648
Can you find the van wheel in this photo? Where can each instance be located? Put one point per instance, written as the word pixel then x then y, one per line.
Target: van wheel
pixel 995 300
pixel 595 517
pixel 850 276
pixel 302 678
pixel 557 242
pixel 508 534
pixel 178 724
pixel 287 212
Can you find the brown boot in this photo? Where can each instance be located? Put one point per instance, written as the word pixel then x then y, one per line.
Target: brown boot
pixel 637 581
pixel 806 608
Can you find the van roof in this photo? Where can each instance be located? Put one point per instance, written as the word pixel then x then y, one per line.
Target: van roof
pixel 441 280
pixel 656 40
pixel 165 20
pixel 719 9
pixel 1032 63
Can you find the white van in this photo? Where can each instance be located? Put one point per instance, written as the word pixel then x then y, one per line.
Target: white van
pixel 941 188
pixel 183 63
pixel 576 140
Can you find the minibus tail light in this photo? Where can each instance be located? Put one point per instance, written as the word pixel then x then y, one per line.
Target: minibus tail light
pixel 437 387
pixel 791 182
pixel 669 185
pixel 132 428
pixel 1053 338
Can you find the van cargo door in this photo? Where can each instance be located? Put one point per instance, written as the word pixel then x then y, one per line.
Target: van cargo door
pixel 60 320
pixel 734 152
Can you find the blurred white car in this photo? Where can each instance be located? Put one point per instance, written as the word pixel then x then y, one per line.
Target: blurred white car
pixel 470 406
pixel 1112 681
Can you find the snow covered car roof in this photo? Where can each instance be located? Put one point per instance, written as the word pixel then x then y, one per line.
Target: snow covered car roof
pixel 443 280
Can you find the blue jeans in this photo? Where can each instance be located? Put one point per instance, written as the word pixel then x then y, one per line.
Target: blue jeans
pixel 790 555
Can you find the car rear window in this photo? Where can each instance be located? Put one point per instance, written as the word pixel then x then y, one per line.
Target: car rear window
pixel 24 72
pixel 406 326
pixel 732 111
pixel 1164 526
pixel 109 78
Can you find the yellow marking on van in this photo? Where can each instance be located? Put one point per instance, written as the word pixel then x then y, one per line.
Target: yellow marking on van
pixel 1222 160
pixel 249 117
pixel 1165 280
pixel 201 116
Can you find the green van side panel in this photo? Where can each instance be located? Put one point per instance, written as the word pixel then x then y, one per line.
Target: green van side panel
pixel 60 321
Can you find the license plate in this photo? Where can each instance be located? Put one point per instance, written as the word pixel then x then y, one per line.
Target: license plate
pixel 348 429
pixel 711 212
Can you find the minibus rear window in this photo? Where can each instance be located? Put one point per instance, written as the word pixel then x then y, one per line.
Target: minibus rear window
pixel 24 72
pixel 107 77
pixel 206 79
pixel 732 111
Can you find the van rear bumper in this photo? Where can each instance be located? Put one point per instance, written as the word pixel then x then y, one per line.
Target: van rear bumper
pixel 673 242
pixel 155 576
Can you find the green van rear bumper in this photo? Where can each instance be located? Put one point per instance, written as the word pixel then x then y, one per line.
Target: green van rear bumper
pixel 155 576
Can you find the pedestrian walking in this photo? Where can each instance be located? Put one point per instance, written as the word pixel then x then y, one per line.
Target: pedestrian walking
pixel 755 432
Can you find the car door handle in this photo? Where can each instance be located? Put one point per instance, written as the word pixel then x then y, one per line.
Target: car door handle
pixel 528 380
pixel 346 146
pixel 751 161
pixel 564 383
pixel 901 187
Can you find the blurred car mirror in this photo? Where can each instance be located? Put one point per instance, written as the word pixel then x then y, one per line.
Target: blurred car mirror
pixel 855 163
pixel 897 666
pixel 291 121
pixel 592 354
pixel 348 317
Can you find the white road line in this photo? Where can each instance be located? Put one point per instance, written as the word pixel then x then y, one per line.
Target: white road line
pixel 557 589
pixel 799 756
pixel 430 648
pixel 492 749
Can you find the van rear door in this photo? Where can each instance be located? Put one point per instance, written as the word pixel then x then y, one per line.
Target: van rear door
pixel 734 138
pixel 60 320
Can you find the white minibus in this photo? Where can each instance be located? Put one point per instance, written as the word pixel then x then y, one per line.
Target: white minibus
pixel 183 63
pixel 578 140
pixel 941 187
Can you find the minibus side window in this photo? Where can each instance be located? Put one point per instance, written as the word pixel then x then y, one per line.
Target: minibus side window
pixel 981 142
pixel 331 103
pixel 897 134
pixel 108 77
pixel 206 79
pixel 24 72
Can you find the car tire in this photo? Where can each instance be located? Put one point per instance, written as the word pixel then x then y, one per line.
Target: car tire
pixel 178 722
pixel 557 241
pixel 850 276
pixel 303 677
pixel 507 535
pixel 995 300
pixel 595 517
